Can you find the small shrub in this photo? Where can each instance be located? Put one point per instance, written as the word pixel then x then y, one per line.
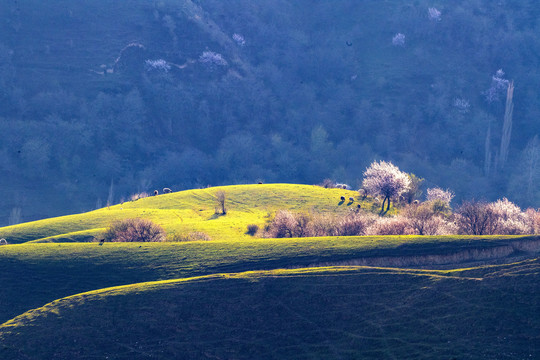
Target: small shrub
pixel 390 226
pixel 288 224
pixel 252 229
pixel 439 226
pixel 328 184
pixel 323 225
pixel 354 224
pixel 134 230
pixel 138 196
pixel 192 236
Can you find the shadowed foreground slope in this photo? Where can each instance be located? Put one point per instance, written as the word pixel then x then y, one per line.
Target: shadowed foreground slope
pixel 35 274
pixel 338 313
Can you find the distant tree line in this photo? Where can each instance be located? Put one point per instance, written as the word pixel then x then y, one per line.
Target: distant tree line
pixel 261 96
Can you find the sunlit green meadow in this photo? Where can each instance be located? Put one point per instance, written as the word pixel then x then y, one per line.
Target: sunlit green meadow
pixel 193 210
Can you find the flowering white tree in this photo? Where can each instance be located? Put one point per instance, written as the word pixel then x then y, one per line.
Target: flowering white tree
pixel 434 14
pixel 398 40
pixel 212 59
pixel 385 179
pixel 510 219
pixel 439 194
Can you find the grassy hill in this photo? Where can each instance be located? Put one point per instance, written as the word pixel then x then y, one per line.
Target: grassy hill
pixel 191 210
pixel 243 297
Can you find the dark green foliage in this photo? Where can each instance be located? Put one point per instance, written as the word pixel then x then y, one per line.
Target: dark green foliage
pixel 252 229
pixel 299 102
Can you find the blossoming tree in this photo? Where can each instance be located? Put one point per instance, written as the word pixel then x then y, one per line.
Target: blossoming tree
pixel 385 179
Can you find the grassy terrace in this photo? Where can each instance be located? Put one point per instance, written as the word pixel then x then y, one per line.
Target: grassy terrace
pixel 35 274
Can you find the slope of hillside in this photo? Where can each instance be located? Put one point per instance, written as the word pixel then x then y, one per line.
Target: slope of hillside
pixel 192 210
pixel 34 274
pixel 355 312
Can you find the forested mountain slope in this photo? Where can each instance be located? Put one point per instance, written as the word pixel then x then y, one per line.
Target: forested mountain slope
pixel 100 100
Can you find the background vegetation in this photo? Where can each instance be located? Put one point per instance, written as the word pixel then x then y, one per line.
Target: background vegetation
pixel 101 100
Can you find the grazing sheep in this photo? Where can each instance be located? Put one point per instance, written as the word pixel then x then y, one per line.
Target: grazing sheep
pixel 167 190
pixel 156 192
pixel 351 199
pixel 342 198
pixel 3 242
pixel 416 202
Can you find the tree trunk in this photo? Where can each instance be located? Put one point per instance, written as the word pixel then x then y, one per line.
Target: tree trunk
pixel 387 205
pixel 382 207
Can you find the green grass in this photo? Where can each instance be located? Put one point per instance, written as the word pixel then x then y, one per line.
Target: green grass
pixel 191 210
pixel 338 313
pixel 236 296
pixel 34 274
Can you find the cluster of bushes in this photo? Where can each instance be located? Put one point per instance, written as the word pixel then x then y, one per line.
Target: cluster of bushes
pixel 433 217
pixel 291 224
pixel 144 230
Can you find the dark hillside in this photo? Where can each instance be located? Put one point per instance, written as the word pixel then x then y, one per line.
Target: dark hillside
pixel 34 274
pixel 338 313
pixel 100 100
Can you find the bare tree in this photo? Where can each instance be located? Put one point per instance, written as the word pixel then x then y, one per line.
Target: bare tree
pixel 476 218
pixel 420 216
pixel 385 179
pixel 220 199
